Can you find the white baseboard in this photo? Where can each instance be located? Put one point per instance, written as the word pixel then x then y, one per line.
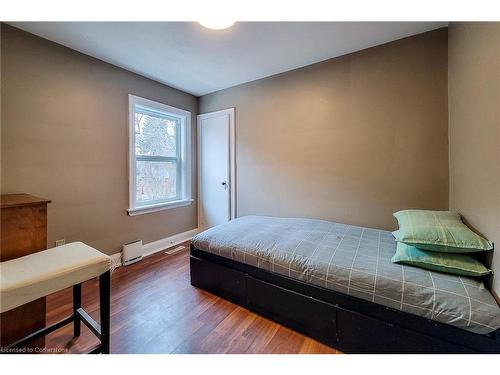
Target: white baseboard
pixel 116 260
pixel 156 246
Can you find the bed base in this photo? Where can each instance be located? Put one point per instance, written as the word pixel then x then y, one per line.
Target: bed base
pixel 343 322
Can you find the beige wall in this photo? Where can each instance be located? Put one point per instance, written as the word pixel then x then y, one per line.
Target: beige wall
pixel 65 137
pixel 474 127
pixel 351 139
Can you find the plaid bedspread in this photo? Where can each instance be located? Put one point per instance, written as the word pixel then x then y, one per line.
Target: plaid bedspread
pixel 355 261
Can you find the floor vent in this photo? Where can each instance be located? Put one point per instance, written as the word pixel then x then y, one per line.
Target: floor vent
pixel 176 250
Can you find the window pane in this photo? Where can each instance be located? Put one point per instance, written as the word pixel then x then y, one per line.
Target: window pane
pixel 155 136
pixel 156 181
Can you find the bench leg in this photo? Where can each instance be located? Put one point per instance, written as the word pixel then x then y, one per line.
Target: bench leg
pixel 104 299
pixel 102 331
pixel 77 303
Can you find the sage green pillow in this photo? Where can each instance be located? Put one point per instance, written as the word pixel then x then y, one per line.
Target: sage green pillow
pixel 441 231
pixel 459 264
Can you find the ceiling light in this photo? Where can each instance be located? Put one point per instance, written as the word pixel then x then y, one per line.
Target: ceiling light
pixel 216 24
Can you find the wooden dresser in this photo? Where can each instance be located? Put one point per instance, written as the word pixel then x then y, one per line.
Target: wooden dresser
pixel 23 232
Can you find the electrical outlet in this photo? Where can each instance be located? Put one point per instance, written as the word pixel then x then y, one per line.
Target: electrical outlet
pixel 60 242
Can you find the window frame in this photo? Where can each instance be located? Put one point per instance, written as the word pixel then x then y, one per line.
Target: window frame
pixel 183 159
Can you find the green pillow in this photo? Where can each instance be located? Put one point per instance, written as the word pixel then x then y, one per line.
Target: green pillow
pixel 441 231
pixel 459 264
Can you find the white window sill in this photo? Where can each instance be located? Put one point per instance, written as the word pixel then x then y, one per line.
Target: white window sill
pixel 158 207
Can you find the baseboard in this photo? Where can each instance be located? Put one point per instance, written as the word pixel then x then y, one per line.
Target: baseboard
pixel 116 260
pixel 164 243
pixel 156 246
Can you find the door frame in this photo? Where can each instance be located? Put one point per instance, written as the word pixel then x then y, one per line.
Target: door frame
pixel 232 158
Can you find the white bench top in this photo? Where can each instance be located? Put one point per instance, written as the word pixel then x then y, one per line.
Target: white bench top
pixel 33 276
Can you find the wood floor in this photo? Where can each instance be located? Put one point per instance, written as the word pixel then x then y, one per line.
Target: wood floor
pixel 154 309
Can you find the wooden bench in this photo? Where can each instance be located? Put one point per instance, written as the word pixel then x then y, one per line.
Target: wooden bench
pixel 33 276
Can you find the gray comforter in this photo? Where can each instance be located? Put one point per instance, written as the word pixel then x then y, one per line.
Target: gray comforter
pixel 355 261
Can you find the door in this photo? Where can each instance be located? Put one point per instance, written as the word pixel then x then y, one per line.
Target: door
pixel 216 169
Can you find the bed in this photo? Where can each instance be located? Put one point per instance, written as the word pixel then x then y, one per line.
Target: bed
pixel 336 283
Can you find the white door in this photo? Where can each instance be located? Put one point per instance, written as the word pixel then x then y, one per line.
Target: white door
pixel 216 168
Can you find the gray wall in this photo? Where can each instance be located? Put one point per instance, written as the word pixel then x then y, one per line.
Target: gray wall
pixel 474 127
pixel 65 138
pixel 351 139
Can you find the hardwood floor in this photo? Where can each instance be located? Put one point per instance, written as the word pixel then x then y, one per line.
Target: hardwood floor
pixel 154 309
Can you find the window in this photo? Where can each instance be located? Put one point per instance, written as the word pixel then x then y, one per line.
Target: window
pixel 159 154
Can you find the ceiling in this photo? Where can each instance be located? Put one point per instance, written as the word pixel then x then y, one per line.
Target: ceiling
pixel 197 60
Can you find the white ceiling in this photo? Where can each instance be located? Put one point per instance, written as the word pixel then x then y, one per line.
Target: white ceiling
pixel 189 57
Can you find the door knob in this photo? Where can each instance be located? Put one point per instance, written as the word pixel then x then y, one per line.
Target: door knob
pixel 224 183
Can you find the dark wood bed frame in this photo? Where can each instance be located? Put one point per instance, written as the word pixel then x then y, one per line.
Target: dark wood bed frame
pixel 343 322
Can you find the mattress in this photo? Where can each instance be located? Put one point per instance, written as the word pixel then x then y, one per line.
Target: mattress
pixel 355 261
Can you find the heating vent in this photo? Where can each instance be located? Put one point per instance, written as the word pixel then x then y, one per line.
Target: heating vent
pixel 132 252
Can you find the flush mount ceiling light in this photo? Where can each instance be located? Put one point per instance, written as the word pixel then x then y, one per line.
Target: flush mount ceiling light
pixel 216 24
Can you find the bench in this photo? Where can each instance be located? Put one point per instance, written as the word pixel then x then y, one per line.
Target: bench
pixel 33 276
